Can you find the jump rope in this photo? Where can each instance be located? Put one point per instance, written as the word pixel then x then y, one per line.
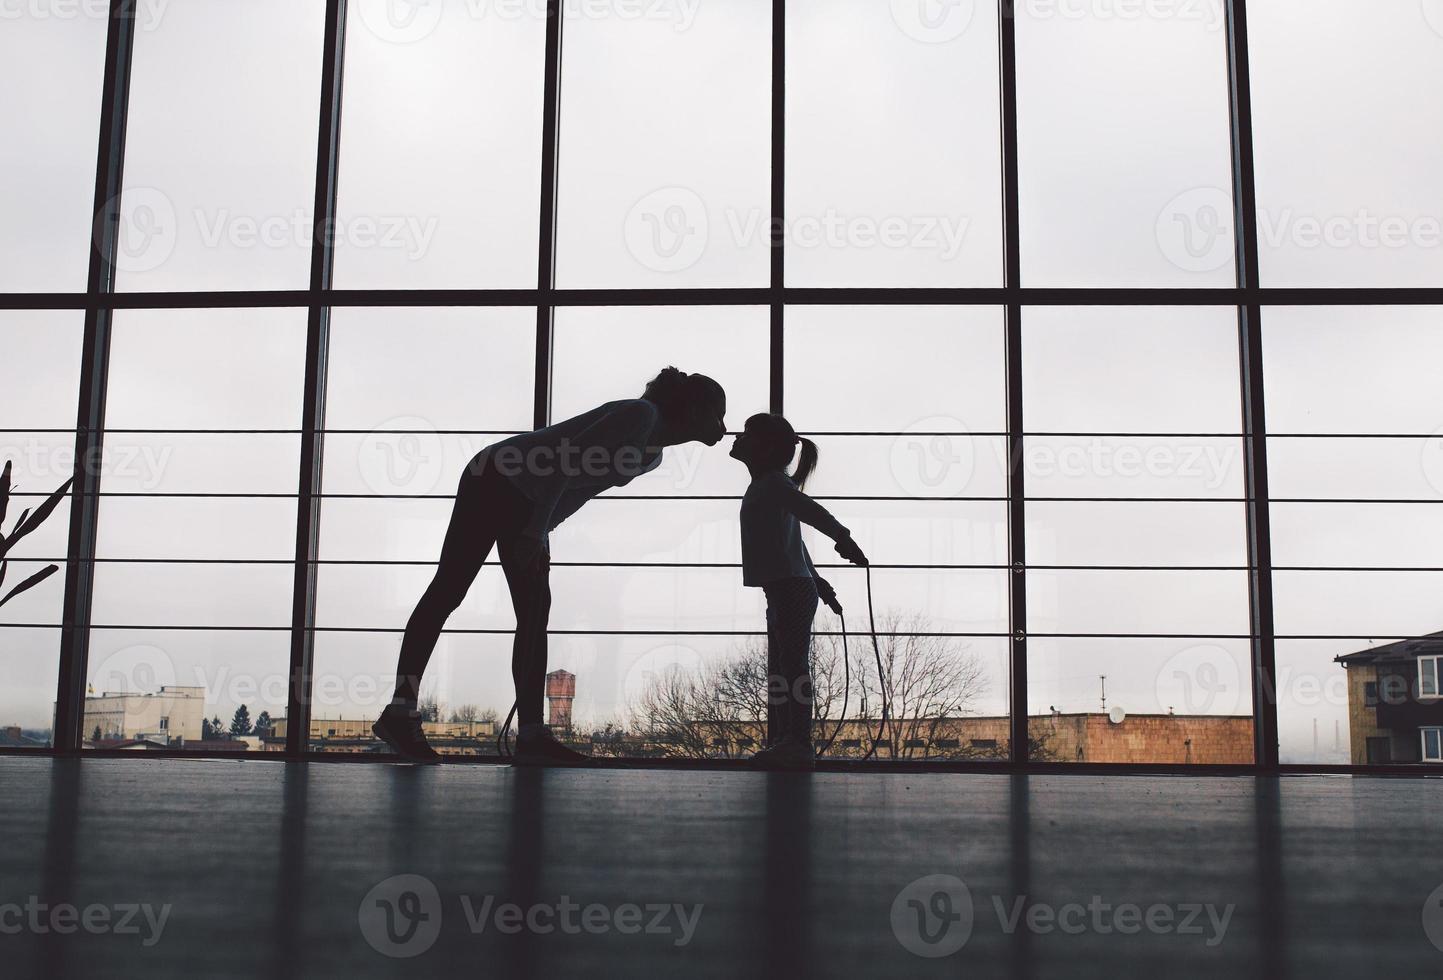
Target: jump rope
pixel 503 740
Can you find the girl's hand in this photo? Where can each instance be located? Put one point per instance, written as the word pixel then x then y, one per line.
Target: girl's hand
pixel 828 595
pixel 848 549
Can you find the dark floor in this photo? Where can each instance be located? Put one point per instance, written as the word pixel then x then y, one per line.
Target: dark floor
pixel 271 870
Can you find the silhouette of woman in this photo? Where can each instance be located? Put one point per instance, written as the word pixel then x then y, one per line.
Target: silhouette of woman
pixel 512 495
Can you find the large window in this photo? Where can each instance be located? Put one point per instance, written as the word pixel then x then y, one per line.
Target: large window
pixel 1149 475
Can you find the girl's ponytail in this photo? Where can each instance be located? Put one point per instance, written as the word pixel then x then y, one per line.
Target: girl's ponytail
pixel 806 462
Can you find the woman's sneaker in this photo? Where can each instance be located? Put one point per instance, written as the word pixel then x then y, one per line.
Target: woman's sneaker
pixel 788 755
pixel 400 729
pixel 538 747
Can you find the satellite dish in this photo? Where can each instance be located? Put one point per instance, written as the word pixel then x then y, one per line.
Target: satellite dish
pixel 1116 715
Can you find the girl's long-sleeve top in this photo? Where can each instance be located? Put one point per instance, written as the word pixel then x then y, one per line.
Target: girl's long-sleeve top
pixel 773 510
pixel 564 465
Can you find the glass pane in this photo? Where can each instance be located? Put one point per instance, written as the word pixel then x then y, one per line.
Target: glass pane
pixel 461 92
pixel 407 405
pixel 1133 466
pixel 1118 700
pixel 1357 535
pixel 208 595
pixel 1314 692
pixel 1178 369
pixel 40 373
pixel 1167 602
pixel 207 369
pixel 1370 216
pixel 1124 145
pixel 1398 468
pixel 221 146
pixel 163 686
pixel 900 369
pixel 30 660
pixel 176 561
pixel 727 343
pixel 47 162
pixel 873 92
pixel 917 464
pixel 1124 533
pixel 1357 603
pixel 665 163
pixel 1315 358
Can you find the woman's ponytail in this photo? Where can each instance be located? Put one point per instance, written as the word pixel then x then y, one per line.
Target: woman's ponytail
pixel 806 462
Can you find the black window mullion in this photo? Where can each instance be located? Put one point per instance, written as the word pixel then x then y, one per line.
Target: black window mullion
pixel 777 238
pixel 313 421
pixel 1255 432
pixel 1016 484
pixel 546 239
pixel 67 735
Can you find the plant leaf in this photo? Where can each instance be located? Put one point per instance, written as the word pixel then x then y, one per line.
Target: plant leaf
pixel 4 492
pixel 31 582
pixel 4 567
pixel 41 512
pixel 5 543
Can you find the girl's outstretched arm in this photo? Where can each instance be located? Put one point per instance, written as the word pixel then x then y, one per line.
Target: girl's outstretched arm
pixel 809 512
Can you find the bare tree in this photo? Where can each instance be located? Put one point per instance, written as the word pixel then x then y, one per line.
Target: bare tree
pixel 720 709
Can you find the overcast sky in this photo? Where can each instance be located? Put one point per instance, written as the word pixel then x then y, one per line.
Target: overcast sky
pixel 893 180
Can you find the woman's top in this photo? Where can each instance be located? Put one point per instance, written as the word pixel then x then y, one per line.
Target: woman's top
pixel 564 465
pixel 772 512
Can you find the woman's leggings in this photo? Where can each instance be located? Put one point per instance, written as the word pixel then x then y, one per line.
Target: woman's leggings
pixel 791 607
pixel 489 511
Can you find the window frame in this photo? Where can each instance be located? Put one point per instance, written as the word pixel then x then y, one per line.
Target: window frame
pixel 1434 662
pixel 100 301
pixel 1437 734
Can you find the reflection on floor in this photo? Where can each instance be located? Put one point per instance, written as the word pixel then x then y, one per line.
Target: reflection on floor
pixel 199 868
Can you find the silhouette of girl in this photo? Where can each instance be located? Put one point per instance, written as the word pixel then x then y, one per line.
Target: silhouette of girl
pixel 512 495
pixel 775 559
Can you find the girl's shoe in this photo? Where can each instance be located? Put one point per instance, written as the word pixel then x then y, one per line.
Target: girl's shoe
pixel 401 730
pixel 788 755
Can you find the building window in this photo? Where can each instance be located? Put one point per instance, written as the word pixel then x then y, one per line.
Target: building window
pixel 164 724
pixel 1428 677
pixel 1432 744
pixel 1370 694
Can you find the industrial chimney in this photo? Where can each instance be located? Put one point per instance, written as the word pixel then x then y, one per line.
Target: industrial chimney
pixel 560 692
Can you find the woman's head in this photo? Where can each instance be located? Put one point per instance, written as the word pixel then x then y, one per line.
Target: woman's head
pixel 768 442
pixel 692 406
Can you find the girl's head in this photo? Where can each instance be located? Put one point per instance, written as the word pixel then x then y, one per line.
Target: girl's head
pixel 768 442
pixel 692 406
